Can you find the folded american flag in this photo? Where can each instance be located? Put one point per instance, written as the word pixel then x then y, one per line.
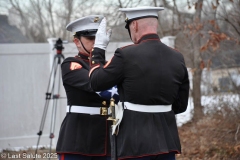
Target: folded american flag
pixel 110 93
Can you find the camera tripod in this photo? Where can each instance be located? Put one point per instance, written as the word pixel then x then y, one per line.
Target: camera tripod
pixel 52 94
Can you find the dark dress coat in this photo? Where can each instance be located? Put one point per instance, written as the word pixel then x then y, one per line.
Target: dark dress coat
pixel 147 73
pixel 83 134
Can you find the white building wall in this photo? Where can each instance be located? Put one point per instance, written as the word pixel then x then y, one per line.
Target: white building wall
pixel 25 71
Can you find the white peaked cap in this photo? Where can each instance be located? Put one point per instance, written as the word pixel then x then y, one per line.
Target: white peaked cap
pixel 140 12
pixel 85 23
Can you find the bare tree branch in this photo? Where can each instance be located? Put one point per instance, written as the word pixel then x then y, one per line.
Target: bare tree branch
pixel 24 20
pixel 36 5
pixel 49 8
pixel 183 14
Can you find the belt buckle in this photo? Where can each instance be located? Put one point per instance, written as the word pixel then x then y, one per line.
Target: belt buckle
pixel 103 111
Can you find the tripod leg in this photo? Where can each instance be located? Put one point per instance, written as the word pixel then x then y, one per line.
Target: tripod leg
pixel 55 103
pixel 48 98
pixel 53 120
pixel 42 123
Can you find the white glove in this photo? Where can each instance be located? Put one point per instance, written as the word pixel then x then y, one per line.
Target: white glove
pixel 102 36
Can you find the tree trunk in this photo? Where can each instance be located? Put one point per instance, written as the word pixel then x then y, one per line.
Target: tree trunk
pixel 198 112
pixel 69 7
pixel 196 94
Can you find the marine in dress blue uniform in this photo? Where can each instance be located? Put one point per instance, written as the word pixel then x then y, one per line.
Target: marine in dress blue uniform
pixel 153 86
pixel 84 133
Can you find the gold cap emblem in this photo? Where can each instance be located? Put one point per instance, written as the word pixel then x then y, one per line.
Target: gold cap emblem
pixel 126 19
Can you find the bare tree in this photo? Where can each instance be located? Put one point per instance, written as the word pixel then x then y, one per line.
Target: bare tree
pixel 15 4
pixel 50 25
pixel 202 32
pixel 190 45
pixel 197 71
pixel 207 32
pixel 160 29
pixel 39 18
pixel 68 4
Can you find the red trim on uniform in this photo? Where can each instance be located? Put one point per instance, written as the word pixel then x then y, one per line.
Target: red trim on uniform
pixel 148 155
pixel 140 41
pixel 128 45
pixel 85 54
pixel 93 70
pixel 81 154
pixel 145 35
pixel 74 66
pixel 87 60
pixel 62 154
pixel 104 154
pixel 105 66
pixel 154 39
pixel 62 157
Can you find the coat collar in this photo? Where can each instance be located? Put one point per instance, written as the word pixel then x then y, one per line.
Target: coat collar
pixel 150 36
pixel 84 56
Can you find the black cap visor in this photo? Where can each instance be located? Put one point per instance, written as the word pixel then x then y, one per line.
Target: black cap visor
pixel 87 33
pixel 129 21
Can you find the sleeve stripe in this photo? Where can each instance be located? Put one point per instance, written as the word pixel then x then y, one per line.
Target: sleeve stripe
pixel 105 66
pixel 93 70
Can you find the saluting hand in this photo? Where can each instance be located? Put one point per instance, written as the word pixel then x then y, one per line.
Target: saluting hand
pixel 102 36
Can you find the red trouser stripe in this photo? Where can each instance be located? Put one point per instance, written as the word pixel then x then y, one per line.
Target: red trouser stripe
pixel 62 157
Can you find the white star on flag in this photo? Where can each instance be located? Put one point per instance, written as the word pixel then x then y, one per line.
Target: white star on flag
pixel 113 91
pixel 98 93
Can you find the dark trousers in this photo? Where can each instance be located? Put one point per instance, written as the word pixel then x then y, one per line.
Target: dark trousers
pixel 167 156
pixel 81 157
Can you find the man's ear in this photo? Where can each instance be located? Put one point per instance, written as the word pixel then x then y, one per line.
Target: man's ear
pixel 77 42
pixel 135 26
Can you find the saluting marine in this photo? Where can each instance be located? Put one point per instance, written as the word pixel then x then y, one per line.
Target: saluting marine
pixel 84 131
pixel 153 86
